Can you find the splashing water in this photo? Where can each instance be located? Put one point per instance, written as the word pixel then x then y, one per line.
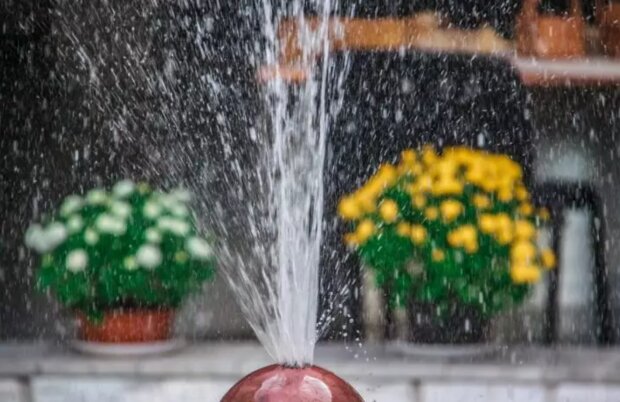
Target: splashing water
pixel 279 288
pixel 157 85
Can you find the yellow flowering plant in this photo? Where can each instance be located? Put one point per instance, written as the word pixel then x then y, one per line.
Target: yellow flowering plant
pixel 464 215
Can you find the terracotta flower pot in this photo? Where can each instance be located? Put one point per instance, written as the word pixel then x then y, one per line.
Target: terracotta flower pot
pixel 128 326
pixel 285 384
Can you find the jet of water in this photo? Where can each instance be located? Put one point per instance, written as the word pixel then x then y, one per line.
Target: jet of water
pixel 279 292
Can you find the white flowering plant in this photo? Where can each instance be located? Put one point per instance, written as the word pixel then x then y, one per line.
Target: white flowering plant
pixel 131 247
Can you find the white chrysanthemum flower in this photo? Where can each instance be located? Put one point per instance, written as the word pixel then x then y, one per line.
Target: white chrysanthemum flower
pixel 91 237
pixel 35 238
pixel 130 263
pixel 71 205
pixel 173 225
pixel 124 188
pixel 152 209
pixel 169 201
pixel 198 248
pixel 111 224
pixel 75 223
pixel 149 256
pixel 96 197
pixel 179 210
pixel 165 200
pixel 182 195
pixel 55 235
pixel 46 240
pixel 77 260
pixel 153 235
pixel 120 209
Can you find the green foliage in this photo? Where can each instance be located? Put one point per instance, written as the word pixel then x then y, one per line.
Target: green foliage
pixel 129 247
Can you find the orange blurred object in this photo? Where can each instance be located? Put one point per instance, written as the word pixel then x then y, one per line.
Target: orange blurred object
pixel 285 384
pixel 345 33
pixel 128 326
pixel 550 36
pixel 608 17
pixel 421 31
pixel 290 74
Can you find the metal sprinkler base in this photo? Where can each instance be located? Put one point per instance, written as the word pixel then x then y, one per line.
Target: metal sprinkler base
pixel 287 384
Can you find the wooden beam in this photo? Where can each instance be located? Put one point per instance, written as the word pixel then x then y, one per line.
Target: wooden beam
pixel 421 31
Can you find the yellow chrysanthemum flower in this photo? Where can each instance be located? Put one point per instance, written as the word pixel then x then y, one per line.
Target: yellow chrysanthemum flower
pixel 417 169
pixel 521 193
pixel 387 175
pixel 472 247
pixel 365 230
pixel 438 255
pixel 403 229
pixel 388 210
pixel 351 240
pixel 461 235
pixel 522 252
pixel 419 201
pixel 374 187
pixel 481 201
pixel 454 238
pixel 404 169
pixel 505 195
pixel 424 183
pixel 475 175
pixel 544 214
pixel 445 168
pixel 466 236
pixel 505 236
pixel 504 221
pixel 526 209
pixel 524 229
pixel 408 157
pixel 366 200
pixel 469 234
pixel 505 229
pixel 429 156
pixel 349 209
pixel 431 213
pixel 461 155
pixel 450 210
pixel 488 184
pixel 449 186
pixel 525 274
pixel 418 234
pixel 548 259
pixel 488 223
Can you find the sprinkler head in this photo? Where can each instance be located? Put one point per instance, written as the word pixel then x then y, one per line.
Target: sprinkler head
pixel 287 384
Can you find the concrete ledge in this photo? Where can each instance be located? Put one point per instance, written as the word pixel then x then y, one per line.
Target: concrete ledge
pixel 43 373
pixel 229 360
pixel 12 391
